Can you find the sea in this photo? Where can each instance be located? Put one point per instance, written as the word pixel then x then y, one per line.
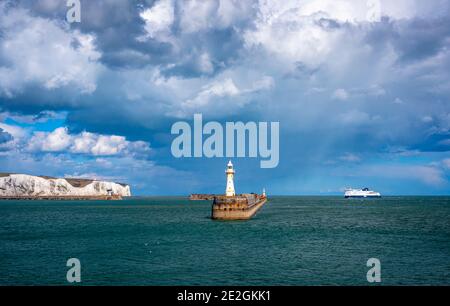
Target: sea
pixel 173 241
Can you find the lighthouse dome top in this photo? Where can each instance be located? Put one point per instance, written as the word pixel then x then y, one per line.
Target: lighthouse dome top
pixel 229 169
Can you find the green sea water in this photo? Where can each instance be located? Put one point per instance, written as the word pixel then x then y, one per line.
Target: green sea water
pixel 172 241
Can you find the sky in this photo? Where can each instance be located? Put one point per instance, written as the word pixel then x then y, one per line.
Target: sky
pixel 361 91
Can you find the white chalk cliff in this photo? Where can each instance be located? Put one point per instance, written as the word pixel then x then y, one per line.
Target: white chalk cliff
pixel 28 185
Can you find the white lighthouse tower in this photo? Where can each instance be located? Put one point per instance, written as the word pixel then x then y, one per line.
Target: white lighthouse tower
pixel 230 183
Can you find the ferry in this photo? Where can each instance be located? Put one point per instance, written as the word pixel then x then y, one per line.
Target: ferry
pixel 361 193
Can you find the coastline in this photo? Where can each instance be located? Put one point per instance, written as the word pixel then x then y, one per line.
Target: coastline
pixel 60 198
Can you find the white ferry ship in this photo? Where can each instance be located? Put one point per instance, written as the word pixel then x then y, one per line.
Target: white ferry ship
pixel 361 193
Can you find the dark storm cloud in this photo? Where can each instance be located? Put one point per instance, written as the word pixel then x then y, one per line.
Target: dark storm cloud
pixel 117 25
pixel 35 99
pixel 414 39
pixel 423 38
pixel 114 120
pixel 5 136
pixel 221 45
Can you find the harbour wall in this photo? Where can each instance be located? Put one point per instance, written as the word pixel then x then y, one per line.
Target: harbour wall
pixel 241 207
pixel 202 197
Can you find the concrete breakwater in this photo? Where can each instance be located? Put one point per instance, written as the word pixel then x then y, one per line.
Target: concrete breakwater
pixel 202 197
pixel 238 207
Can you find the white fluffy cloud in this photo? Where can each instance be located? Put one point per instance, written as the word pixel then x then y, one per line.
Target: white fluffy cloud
pixel 43 52
pixel 16 131
pixel 197 15
pixel 14 139
pixel 225 88
pixel 58 140
pixel 292 37
pixel 158 19
pixel 312 31
pixel 85 143
pixel 212 93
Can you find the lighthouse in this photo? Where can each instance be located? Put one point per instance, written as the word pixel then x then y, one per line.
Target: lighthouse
pixel 229 192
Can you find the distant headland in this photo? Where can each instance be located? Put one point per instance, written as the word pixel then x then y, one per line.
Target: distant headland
pixel 29 187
